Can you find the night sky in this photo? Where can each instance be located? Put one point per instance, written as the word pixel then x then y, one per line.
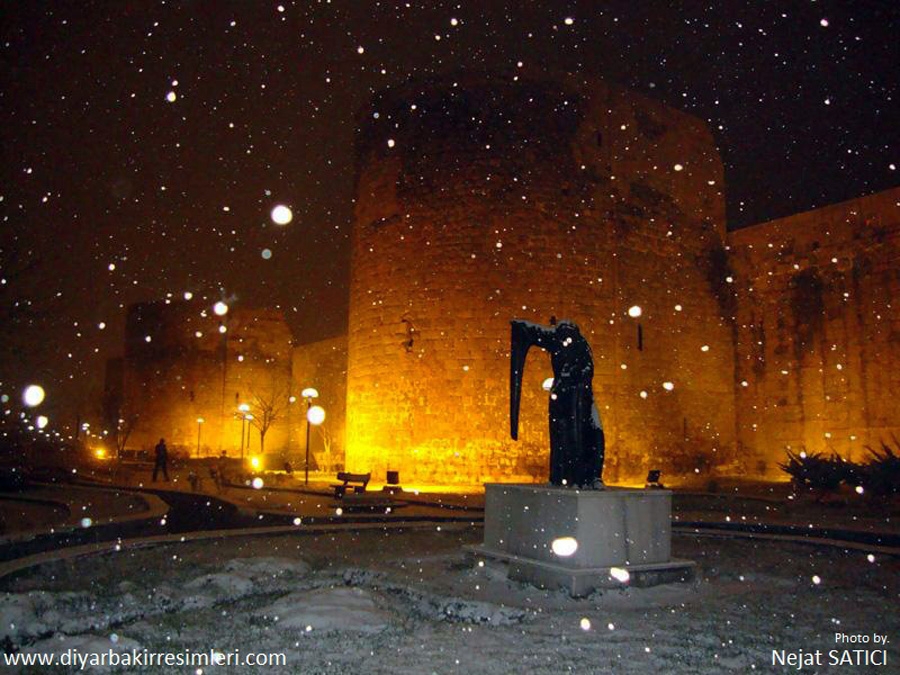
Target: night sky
pixel 113 193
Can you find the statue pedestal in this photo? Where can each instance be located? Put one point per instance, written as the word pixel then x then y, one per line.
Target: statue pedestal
pixel 616 527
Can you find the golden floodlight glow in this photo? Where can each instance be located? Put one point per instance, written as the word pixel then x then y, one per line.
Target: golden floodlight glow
pixel 254 462
pixel 316 415
pixel 309 392
pixel 33 395
pixel 282 215
pixel 220 308
pixel 564 546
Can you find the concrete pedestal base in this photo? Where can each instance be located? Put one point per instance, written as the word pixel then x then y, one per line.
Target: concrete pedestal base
pixel 535 528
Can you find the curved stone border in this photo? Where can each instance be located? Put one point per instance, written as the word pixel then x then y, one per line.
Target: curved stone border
pixel 710 530
pixel 19 564
pixel 156 509
pixel 713 531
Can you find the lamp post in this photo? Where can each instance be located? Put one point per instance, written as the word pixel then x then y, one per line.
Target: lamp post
pixel 249 419
pixel 243 408
pixel 200 421
pixel 309 394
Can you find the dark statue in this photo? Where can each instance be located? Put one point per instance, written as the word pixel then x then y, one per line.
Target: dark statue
pixel 576 434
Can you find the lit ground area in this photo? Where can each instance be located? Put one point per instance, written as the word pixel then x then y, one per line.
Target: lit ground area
pixel 408 601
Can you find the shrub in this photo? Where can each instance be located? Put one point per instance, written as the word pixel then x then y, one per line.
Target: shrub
pixel 880 476
pixel 819 472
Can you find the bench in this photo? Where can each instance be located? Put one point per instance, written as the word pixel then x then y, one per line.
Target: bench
pixel 356 481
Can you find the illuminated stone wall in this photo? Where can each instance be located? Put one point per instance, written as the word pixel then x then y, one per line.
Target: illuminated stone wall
pixel 480 203
pixel 819 331
pixel 189 369
pixel 323 366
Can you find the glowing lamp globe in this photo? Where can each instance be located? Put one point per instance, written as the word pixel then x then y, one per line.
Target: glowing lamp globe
pixel 315 415
pixel 33 395
pixel 635 311
pixel 620 574
pixel 220 308
pixel 309 392
pixel 564 546
pixel 282 215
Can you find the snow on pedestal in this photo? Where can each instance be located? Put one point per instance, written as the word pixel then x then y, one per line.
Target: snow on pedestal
pixel 596 531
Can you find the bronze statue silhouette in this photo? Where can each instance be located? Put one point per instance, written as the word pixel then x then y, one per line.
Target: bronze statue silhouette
pixel 577 443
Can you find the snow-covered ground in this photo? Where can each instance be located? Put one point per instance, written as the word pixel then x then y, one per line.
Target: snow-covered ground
pixel 410 602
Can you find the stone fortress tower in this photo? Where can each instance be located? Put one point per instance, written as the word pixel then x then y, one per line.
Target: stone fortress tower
pixel 481 202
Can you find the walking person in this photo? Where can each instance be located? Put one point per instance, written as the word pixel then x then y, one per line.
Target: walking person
pixel 162 458
pixel 221 466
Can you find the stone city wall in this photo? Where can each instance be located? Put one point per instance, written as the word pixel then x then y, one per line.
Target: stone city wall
pixel 818 348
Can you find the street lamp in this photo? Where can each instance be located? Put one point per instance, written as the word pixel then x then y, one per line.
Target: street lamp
pixel 200 421
pixel 243 407
pixel 311 418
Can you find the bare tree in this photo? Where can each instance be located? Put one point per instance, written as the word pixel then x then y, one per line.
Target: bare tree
pixel 119 418
pixel 328 443
pixel 267 408
pixel 124 426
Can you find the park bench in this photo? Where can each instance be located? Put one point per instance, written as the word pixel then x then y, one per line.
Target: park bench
pixel 355 481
